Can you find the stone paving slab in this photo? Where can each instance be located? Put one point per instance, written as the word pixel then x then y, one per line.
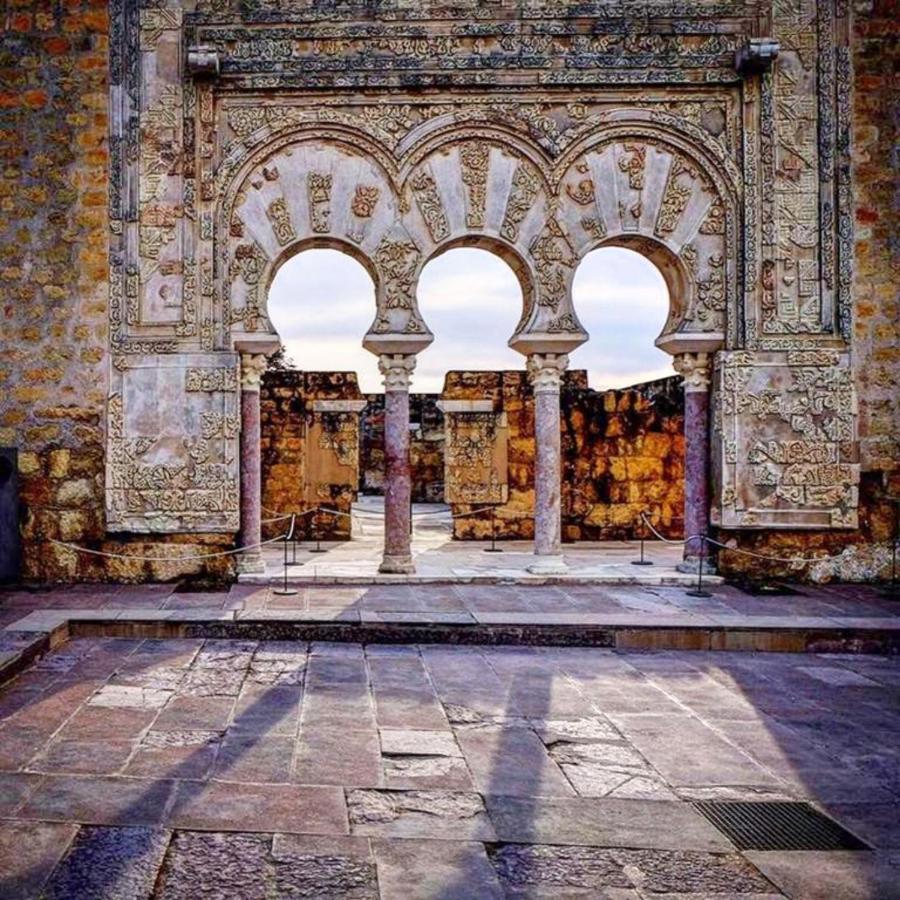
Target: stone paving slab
pixel 341 770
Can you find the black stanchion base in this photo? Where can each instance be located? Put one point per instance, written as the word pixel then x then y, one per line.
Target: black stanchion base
pixel 317 550
pixel 698 593
pixel 641 562
pixel 284 592
pixel 493 550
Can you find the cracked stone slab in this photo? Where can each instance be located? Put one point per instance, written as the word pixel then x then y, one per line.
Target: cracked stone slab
pixel 109 864
pixel 447 772
pixel 213 682
pixel 574 730
pixel 402 741
pixel 130 697
pixel 453 815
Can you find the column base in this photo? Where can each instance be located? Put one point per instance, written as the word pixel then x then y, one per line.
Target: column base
pixel 251 563
pixel 548 565
pixel 690 565
pixel 397 565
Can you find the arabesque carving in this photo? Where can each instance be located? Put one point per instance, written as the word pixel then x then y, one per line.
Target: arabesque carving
pixel 542 141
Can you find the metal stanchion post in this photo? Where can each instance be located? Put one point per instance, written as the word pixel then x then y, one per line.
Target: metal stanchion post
pixel 493 548
pixel 318 548
pixel 893 590
pixel 698 591
pixel 642 561
pixel 284 590
pixel 293 561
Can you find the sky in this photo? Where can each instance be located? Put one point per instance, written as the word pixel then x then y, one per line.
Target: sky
pixel 322 302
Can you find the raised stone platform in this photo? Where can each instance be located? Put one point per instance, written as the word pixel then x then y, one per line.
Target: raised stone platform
pixel 440 559
pixel 846 619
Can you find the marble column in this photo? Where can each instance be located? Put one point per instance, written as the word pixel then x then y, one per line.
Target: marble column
pixel 545 372
pixel 397 368
pixel 252 367
pixel 695 369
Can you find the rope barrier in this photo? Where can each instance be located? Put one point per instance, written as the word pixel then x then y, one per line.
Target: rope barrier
pixel 792 560
pixel 170 559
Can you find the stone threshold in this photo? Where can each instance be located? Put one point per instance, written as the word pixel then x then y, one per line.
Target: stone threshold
pixel 26 640
pixel 607 575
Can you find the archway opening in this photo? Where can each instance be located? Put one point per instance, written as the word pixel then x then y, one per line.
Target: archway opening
pixel 623 302
pixel 314 398
pixel 472 301
pixel 321 302
pixel 623 444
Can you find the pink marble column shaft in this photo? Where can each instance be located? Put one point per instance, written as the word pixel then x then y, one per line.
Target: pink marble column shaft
pixel 252 367
pixel 545 372
pixel 695 368
pixel 397 369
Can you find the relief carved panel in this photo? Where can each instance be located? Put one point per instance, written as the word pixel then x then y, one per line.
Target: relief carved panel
pixel 786 443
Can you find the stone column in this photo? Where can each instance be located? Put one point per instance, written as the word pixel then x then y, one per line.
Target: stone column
pixel 695 369
pixel 252 367
pixel 545 373
pixel 397 368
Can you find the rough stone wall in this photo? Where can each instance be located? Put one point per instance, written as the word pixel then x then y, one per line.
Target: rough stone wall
pixel 426 448
pixel 54 227
pixel 309 458
pixel 863 553
pixel 623 454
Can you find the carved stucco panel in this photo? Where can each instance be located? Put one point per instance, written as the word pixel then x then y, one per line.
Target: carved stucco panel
pixel 785 428
pixel 169 472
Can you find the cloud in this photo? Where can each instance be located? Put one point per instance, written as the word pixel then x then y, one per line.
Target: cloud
pixel 322 302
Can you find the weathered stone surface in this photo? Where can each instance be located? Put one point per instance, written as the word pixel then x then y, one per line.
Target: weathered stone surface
pixel 589 871
pixel 435 814
pixel 111 863
pixel 324 867
pixel 215 865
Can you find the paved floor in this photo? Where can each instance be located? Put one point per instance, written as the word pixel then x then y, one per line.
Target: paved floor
pixel 808 607
pixel 179 769
pixel 438 557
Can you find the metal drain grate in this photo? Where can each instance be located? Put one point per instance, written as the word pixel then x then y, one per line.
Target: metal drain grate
pixel 777 825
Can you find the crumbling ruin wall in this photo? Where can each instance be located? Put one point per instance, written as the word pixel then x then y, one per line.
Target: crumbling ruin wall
pixel 309 423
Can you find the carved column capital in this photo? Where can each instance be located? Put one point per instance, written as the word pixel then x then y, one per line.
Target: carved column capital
pixel 545 370
pixel 695 369
pixel 252 367
pixel 397 369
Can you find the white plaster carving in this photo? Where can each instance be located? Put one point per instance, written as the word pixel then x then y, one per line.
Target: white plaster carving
pixel 545 370
pixel 397 369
